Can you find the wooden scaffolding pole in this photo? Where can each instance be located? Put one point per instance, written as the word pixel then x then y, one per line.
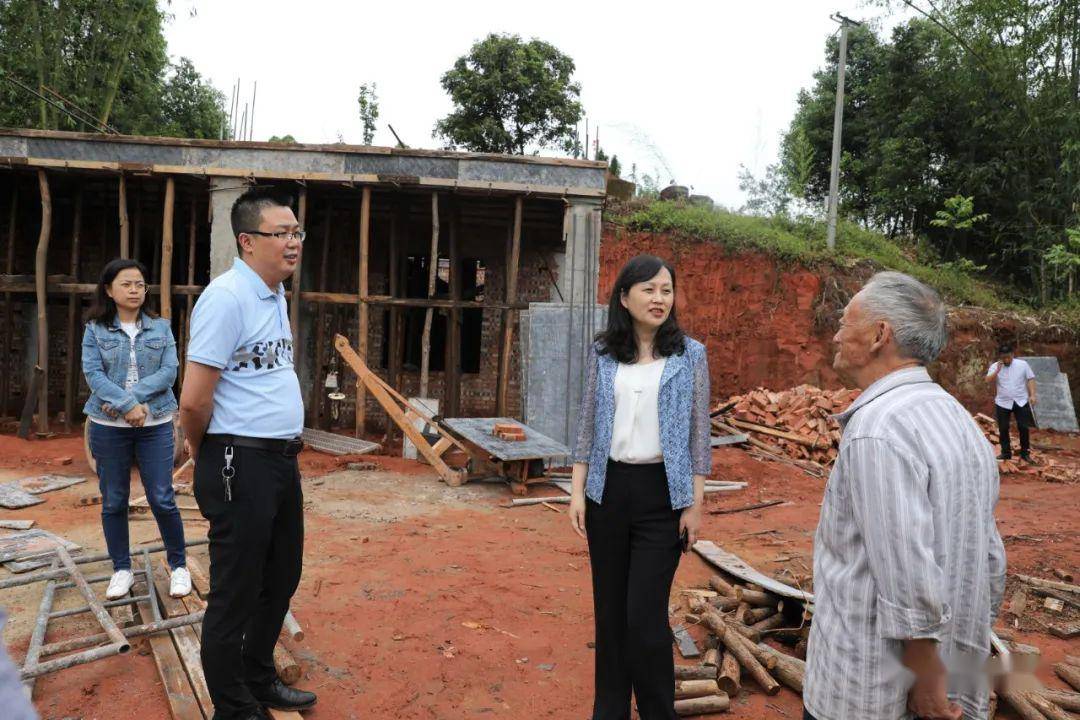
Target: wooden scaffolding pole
pixel 452 386
pixel 124 229
pixel 294 311
pixel 433 268
pixel 185 321
pixel 71 375
pixel 362 306
pixel 509 316
pixel 40 270
pixel 9 268
pixel 167 214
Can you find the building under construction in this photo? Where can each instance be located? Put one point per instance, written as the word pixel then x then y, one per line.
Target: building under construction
pixel 406 250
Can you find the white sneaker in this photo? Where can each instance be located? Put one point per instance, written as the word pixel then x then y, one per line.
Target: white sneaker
pixel 120 584
pixel 180 583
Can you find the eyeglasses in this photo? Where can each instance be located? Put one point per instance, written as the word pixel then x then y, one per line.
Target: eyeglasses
pixel 283 235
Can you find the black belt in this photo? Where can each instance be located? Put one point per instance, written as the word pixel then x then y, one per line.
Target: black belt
pixel 288 448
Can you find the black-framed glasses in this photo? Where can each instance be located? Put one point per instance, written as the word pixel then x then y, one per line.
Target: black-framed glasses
pixel 283 235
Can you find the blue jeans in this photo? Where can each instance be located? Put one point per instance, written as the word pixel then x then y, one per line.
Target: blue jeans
pixel 152 447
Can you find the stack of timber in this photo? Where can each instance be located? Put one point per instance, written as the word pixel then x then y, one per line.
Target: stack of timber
pixel 177 652
pixel 1028 697
pixel 1048 469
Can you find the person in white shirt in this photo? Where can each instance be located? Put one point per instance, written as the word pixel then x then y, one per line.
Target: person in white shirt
pixel 1015 396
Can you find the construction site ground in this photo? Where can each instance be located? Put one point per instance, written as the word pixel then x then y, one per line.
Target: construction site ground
pixel 423 601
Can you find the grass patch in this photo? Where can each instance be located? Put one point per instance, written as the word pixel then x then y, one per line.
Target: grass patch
pixel 803 241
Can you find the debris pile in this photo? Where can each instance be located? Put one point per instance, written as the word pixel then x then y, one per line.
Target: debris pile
pixel 1047 469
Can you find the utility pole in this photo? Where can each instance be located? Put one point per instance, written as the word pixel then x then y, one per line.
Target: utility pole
pixel 838 121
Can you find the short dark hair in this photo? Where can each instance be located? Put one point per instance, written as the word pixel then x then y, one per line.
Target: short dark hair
pixel 247 210
pixel 1005 348
pixel 618 339
pixel 103 311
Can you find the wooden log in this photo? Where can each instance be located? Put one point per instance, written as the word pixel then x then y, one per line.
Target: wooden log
pixel 40 270
pixel 71 373
pixel 167 215
pixel 1018 701
pixel 433 266
pixel 724 603
pixel 702 706
pixel 729 677
pixel 1068 673
pixel 125 230
pixel 711 657
pixel 741 611
pixel 1047 708
pixel 772 622
pixel 513 258
pixel 722 586
pixel 294 310
pixel 362 308
pixel 285 664
pixel 1063 698
pixel 694 672
pixel 291 628
pixel 789 670
pixel 792 437
pixel 1048 584
pixel 745 652
pixel 758 614
pixel 757 598
pixel 695 688
pixel 1063 575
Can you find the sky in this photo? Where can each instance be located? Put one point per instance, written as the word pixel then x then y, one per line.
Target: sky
pixel 687 92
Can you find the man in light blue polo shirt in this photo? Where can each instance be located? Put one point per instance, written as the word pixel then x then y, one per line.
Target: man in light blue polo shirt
pixel 242 414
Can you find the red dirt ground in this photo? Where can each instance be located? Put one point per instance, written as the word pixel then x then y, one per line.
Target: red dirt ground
pixel 436 602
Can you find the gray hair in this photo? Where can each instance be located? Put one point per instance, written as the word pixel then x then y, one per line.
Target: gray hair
pixel 914 311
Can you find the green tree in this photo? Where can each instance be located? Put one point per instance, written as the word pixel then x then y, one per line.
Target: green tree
pixel 614 167
pixel 287 139
pixel 190 106
pixel 369 110
pixel 511 96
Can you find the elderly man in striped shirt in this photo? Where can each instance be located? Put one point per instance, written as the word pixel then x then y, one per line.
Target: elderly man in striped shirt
pixel 909 569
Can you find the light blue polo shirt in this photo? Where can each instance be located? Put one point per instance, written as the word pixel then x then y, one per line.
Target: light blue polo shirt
pixel 240 326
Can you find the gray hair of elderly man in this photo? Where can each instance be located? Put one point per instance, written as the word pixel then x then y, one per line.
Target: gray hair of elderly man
pixel 914 311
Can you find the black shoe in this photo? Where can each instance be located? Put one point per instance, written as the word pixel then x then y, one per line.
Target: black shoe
pixel 280 696
pixel 1026 457
pixel 1005 456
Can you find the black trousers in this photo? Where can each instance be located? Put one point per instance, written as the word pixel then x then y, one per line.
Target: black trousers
pixel 1024 420
pixel 256 555
pixel 634 549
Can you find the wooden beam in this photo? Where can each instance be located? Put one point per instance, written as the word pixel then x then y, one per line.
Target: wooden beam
pixel 9 267
pixel 433 267
pixel 124 229
pixel 71 375
pixel 452 372
pixel 40 269
pixel 362 306
pixel 167 215
pixel 294 311
pixel 178 692
pixel 509 316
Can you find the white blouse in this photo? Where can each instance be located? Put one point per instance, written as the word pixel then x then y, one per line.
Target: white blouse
pixel 635 437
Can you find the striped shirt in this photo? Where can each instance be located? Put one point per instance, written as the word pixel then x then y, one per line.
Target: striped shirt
pixel 906 548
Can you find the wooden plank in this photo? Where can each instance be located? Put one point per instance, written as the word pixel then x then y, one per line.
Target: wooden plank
pixel 182 702
pixel 40 269
pixel 362 309
pixel 167 215
pixel 71 374
pixel 733 565
pixel 478 431
pixel 294 311
pixel 123 212
pixel 200 579
pixel 509 317
pixel 433 267
pixel 186 639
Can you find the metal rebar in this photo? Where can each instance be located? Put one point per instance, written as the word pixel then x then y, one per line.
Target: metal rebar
pixel 82 658
pixel 37 637
pixel 81 560
pixel 99 612
pixel 151 590
pixel 111 603
pixel 129 632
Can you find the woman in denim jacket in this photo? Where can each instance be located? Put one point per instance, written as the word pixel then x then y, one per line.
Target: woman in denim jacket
pixel 640 462
pixel 129 360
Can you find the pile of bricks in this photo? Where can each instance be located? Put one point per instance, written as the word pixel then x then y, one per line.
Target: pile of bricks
pixel 510 432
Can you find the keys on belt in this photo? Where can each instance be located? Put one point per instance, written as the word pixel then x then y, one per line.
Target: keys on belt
pixel 228 472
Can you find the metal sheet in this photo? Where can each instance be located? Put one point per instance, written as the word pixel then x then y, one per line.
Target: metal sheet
pixel 337 444
pixel 479 432
pixel 13 497
pixel 734 565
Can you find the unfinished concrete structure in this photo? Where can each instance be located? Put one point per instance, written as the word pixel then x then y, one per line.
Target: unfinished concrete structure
pixel 399 240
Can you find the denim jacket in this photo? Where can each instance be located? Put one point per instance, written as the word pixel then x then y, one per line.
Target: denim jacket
pixel 684 422
pixel 105 353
